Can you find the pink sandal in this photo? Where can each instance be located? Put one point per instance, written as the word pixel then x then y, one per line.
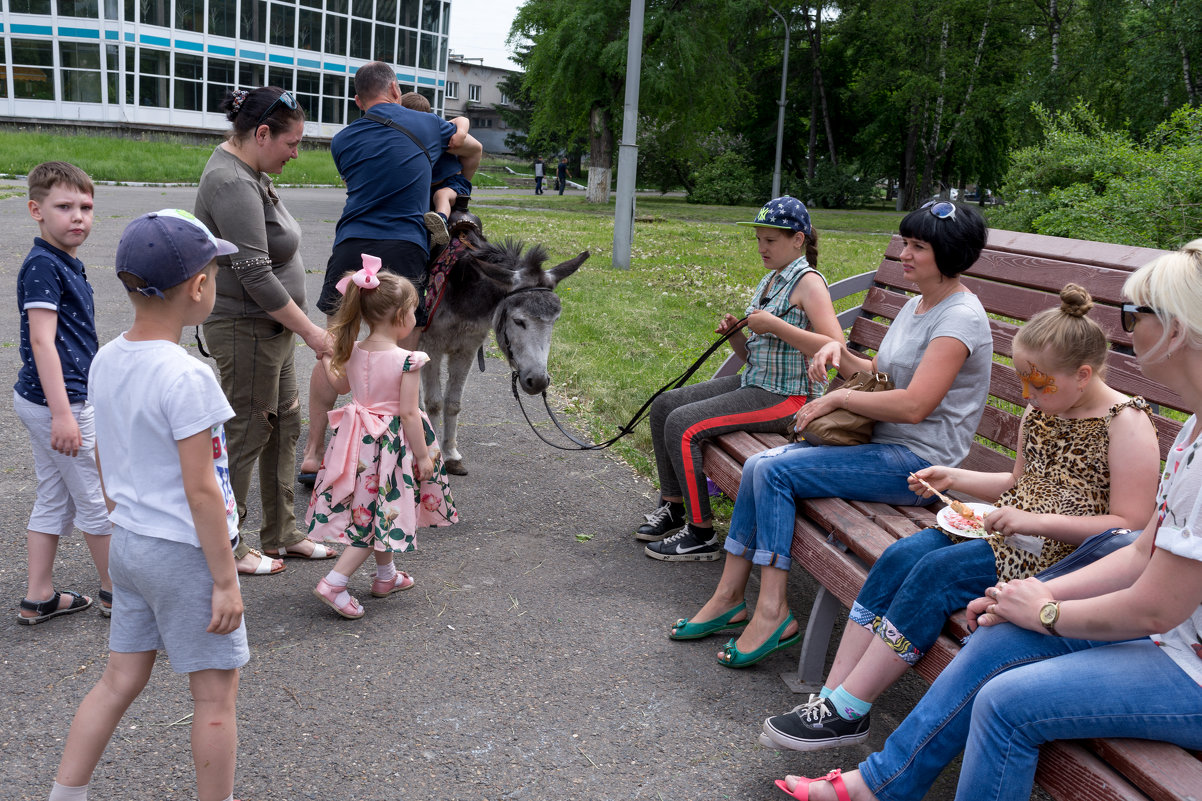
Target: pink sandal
pixel 802 791
pixel 328 594
pixel 382 588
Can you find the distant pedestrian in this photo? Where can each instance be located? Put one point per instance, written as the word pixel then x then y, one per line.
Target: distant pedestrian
pixel 561 175
pixel 382 476
pixel 162 447
pixel 58 342
pixel 539 174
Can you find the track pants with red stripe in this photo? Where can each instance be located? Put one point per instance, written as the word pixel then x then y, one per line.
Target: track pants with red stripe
pixel 683 419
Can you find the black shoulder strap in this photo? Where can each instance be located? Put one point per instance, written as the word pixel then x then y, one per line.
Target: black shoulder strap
pixel 380 118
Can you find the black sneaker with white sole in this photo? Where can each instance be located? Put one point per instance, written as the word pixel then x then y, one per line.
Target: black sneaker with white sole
pixel 662 522
pixel 686 546
pixel 814 726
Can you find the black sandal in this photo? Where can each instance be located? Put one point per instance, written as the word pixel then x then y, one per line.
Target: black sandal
pixel 47 609
pixel 106 603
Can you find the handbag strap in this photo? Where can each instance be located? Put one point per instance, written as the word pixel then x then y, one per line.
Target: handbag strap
pixel 380 118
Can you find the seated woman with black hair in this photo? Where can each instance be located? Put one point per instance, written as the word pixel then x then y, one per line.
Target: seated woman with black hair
pixel 938 353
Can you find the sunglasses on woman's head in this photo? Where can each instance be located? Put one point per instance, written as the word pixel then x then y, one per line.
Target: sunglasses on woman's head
pixel 285 99
pixel 1127 314
pixel 942 209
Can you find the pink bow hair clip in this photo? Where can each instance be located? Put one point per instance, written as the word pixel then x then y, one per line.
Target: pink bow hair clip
pixel 364 278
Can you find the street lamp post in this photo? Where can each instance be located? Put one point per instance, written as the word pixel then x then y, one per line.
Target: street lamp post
pixel 780 117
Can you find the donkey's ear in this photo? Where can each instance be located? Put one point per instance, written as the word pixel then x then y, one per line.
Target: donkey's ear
pixel 498 274
pixel 562 271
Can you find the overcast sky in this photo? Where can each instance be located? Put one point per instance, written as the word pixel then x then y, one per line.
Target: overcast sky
pixel 479 29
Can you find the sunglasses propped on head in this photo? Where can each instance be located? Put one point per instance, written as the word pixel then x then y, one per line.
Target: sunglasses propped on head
pixel 286 99
pixel 941 209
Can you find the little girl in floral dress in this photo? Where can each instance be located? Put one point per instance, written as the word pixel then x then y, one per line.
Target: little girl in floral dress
pixel 382 476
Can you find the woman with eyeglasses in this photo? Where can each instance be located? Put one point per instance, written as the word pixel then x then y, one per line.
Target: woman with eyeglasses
pixel 938 352
pixel 260 309
pixel 1108 650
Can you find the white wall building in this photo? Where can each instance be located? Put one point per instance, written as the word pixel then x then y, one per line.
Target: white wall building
pixel 168 63
pixel 473 91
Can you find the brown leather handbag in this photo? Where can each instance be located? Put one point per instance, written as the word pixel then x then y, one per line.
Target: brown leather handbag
pixel 842 426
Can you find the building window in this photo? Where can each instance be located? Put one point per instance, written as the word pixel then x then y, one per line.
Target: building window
pixel 80 64
pixel 427 57
pixel 221 81
pixel 189 15
pixel 453 90
pixel 154 13
pixel 254 20
pixel 308 93
pixel 29 6
pixel 406 48
pixel 250 76
pixel 385 44
pixel 361 39
pixel 189 82
pixel 283 25
pixel 336 31
pixel 308 35
pixel 409 13
pixel 279 76
pixel 33 69
pixel 504 99
pixel 333 99
pixel 79 8
pixel 223 18
pixel 153 68
pixel 473 93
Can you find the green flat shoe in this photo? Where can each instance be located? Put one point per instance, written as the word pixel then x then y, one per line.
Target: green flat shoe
pixel 684 630
pixel 732 657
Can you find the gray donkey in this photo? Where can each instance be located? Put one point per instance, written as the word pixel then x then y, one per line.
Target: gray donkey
pixel 489 286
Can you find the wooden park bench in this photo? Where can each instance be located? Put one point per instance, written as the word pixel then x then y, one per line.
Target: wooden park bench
pixel 836 541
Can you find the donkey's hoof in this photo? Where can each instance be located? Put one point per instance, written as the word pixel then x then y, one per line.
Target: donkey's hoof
pixel 456 467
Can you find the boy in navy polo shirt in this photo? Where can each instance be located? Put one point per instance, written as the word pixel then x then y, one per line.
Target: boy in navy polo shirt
pixel 58 341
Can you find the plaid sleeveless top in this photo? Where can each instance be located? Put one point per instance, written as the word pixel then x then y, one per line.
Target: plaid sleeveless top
pixel 773 364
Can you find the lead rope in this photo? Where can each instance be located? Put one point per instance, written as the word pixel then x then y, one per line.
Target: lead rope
pixel 639 416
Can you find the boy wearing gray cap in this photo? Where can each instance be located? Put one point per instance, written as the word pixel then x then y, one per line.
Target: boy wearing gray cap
pixel 160 445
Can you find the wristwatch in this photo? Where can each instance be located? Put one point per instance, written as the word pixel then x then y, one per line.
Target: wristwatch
pixel 1049 613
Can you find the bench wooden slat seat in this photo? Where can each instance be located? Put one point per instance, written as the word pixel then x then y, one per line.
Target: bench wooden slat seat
pixel 836 541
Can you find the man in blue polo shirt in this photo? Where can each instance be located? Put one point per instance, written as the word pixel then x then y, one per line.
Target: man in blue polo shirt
pixel 385 158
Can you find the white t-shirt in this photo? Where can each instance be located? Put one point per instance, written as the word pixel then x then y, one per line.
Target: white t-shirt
pixel 148 396
pixel 1179 512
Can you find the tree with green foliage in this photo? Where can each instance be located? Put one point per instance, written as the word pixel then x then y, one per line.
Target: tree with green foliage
pixel 1089 182
pixel 575 68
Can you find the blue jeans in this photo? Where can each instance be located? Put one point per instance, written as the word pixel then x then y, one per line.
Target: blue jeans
pixel 761 527
pixel 1010 690
pixel 916 584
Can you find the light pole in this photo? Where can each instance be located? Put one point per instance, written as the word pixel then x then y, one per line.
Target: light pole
pixel 780 117
pixel 628 151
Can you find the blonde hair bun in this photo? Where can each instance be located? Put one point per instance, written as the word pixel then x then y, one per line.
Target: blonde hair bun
pixel 1075 301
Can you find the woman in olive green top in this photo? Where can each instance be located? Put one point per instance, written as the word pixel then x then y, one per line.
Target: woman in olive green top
pixel 260 308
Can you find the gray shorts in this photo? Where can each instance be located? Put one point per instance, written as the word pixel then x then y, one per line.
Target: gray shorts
pixel 69 493
pixel 162 601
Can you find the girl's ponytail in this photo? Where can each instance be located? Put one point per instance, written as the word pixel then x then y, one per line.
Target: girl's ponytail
pixel 812 247
pixel 344 328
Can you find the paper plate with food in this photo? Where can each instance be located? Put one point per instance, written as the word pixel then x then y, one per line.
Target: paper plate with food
pixel 964 519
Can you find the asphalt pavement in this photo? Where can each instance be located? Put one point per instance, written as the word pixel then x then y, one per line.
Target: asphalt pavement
pixel 529 662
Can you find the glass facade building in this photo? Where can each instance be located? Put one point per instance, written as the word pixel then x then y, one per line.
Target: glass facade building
pixel 170 62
